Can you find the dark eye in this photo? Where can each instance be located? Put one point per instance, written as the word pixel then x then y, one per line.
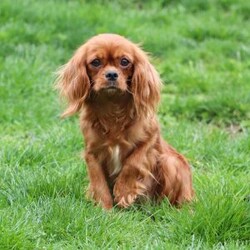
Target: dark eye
pixel 96 63
pixel 124 62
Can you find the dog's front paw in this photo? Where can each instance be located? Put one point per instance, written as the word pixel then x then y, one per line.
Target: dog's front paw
pixel 126 194
pixel 126 200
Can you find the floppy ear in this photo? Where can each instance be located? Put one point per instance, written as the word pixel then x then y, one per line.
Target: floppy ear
pixel 73 82
pixel 146 84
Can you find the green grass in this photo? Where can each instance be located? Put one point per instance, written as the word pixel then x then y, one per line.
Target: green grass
pixel 202 51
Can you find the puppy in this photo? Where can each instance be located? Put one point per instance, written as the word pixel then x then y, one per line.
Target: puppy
pixel 111 82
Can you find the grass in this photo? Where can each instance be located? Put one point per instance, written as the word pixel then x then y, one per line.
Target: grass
pixel 201 49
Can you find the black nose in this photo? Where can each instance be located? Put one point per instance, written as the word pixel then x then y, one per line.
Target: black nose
pixel 111 75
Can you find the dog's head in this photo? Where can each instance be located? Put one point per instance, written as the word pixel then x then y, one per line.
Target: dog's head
pixel 109 64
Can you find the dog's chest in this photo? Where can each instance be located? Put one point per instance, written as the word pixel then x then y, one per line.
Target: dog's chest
pixel 115 161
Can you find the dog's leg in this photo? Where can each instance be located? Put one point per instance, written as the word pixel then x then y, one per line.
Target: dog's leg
pixel 98 188
pixel 135 178
pixel 174 176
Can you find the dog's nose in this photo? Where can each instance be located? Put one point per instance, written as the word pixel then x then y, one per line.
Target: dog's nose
pixel 111 75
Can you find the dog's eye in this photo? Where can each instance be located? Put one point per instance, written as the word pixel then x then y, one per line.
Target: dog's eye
pixel 124 62
pixel 96 63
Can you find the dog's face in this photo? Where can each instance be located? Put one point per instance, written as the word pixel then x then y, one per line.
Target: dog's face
pixel 109 64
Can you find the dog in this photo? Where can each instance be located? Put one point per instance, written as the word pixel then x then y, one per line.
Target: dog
pixel 112 84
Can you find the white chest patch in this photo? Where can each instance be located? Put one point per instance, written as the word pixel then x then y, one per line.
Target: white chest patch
pixel 116 160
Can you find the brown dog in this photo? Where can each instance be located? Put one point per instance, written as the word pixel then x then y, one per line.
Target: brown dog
pixel 111 82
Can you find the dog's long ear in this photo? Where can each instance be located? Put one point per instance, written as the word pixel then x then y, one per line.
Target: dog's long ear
pixel 73 82
pixel 145 85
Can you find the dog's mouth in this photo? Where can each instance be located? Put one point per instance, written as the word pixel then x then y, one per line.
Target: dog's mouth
pixel 112 84
pixel 112 87
pixel 112 90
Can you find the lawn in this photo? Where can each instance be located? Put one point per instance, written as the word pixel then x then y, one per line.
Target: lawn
pixel 202 51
